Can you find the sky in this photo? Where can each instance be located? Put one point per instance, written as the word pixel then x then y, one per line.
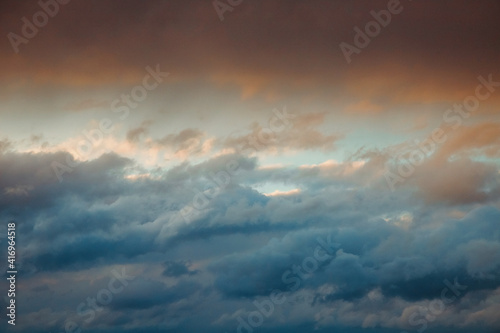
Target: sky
pixel 251 166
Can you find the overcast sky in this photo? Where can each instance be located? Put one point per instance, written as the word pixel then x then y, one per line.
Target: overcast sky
pixel 251 165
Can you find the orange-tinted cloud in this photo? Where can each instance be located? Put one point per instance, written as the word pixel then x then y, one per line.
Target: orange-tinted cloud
pixel 429 53
pixel 483 138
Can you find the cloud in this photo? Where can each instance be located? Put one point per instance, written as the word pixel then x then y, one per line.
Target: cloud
pixel 249 241
pixel 266 55
pixel 300 135
pixel 457 181
pixel 177 268
pixel 479 139
pixel 133 135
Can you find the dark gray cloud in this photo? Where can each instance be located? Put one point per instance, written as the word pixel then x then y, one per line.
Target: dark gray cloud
pixel 177 268
pixel 394 245
pixel 411 265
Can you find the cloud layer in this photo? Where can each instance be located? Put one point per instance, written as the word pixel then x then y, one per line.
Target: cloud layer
pixel 266 184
